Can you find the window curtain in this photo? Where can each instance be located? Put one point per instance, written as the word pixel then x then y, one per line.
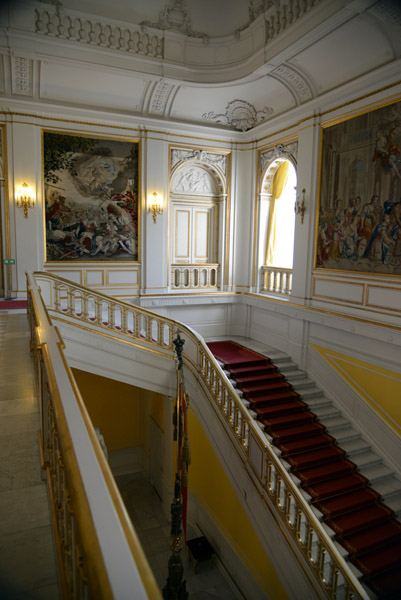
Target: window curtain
pixel 279 182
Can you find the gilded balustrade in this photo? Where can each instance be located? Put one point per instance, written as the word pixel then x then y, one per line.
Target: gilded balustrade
pixel 70 451
pixel 309 536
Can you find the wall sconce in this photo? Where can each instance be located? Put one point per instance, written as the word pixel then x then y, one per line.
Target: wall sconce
pixel 155 207
pixel 300 207
pixel 24 199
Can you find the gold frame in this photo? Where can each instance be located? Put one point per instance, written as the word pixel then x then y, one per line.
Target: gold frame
pixel 90 135
pixel 369 191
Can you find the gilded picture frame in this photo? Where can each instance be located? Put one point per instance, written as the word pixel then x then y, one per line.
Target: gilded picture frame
pixel 91 189
pixel 359 216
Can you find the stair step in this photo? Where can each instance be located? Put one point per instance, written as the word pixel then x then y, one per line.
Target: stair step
pixel 311 392
pixel 326 412
pixel 324 472
pixel 294 433
pixel 291 447
pixel 365 459
pixel 378 562
pixel 365 541
pixel 287 396
pixel 387 583
pixel 258 380
pixel 245 371
pixel 388 487
pixel 315 458
pixel 359 519
pixel 376 472
pixel 355 446
pixel 317 402
pixel 291 420
pixel 303 383
pixel 283 408
pixel 346 433
pixel 347 502
pixel 336 422
pixel 263 390
pixel 337 486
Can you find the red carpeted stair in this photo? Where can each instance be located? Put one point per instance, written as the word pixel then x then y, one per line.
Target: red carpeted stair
pixel 363 524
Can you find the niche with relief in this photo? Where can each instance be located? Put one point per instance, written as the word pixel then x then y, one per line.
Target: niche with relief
pixel 195 194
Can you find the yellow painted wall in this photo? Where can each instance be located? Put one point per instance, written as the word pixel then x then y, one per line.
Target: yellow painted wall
pixel 208 481
pixel 380 388
pixel 114 407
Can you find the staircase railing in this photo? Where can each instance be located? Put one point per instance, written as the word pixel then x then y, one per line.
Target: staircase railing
pixel 321 555
pixel 99 554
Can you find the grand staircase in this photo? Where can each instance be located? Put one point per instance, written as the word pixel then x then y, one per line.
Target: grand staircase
pixel 354 493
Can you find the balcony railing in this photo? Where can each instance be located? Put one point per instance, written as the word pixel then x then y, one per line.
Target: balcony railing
pixel 322 558
pixel 195 277
pixel 276 280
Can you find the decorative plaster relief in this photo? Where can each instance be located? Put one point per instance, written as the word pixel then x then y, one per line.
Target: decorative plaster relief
pixel 283 13
pixel 160 96
pixel 194 180
pixel 175 17
pixel 286 151
pixel 21 75
pixel 297 84
pixel 106 35
pixel 210 158
pixel 240 114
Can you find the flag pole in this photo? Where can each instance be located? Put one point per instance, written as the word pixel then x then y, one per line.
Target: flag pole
pixel 175 588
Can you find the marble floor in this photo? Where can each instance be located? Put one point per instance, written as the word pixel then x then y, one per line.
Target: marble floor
pixel 27 559
pixel 153 529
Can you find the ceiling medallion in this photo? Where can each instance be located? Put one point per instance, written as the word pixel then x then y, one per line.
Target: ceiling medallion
pixel 240 114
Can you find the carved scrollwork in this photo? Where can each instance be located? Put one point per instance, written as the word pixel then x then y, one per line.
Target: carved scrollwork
pixel 210 158
pixel 287 151
pixel 240 114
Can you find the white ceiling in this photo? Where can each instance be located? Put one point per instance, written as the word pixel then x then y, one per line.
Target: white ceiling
pixel 221 63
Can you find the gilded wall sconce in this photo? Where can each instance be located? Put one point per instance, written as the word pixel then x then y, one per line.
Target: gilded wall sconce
pixel 300 207
pixel 155 208
pixel 24 199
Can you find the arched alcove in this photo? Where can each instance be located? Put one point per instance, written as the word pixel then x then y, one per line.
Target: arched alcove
pixel 277 224
pixel 197 191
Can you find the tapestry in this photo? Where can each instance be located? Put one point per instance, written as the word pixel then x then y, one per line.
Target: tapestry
pixel 359 222
pixel 91 198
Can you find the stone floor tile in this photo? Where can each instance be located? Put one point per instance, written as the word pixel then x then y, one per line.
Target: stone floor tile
pixel 25 508
pixel 27 562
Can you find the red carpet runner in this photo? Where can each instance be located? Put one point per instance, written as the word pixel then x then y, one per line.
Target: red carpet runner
pixel 363 525
pixel 12 304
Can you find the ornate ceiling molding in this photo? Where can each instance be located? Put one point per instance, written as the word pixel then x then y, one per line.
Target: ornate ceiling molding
pixel 297 84
pixel 175 17
pixel 57 23
pixel 160 96
pixel 240 114
pixel 21 75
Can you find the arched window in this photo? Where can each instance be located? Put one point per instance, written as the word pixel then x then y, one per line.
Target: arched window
pixel 281 220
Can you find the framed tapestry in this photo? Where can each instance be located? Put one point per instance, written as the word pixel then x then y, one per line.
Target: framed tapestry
pixel 91 198
pixel 359 222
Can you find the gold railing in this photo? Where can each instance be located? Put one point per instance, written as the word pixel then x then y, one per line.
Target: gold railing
pixel 194 277
pixel 322 557
pixel 276 280
pixel 82 491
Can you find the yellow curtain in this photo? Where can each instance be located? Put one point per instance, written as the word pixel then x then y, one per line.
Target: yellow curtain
pixel 278 185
